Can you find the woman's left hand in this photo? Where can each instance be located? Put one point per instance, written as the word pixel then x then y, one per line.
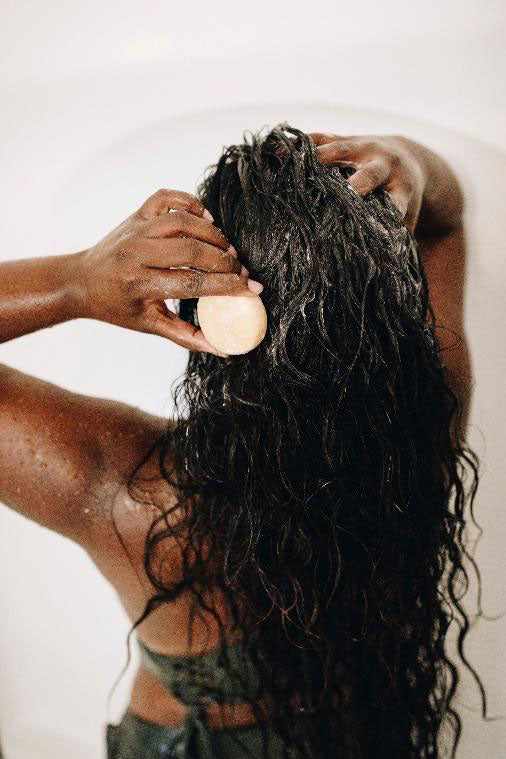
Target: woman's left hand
pixel 385 162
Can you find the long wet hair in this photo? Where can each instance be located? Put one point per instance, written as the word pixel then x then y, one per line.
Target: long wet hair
pixel 323 478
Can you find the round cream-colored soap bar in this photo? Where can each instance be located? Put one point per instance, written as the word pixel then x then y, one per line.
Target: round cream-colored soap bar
pixel 233 324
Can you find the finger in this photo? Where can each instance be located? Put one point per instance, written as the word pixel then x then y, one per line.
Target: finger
pixel 163 201
pixel 344 153
pixel 159 320
pixel 322 138
pixel 163 253
pixel 182 224
pixel 374 174
pixel 163 284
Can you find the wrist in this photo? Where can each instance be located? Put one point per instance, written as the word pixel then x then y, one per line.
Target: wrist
pixel 73 272
pixel 442 207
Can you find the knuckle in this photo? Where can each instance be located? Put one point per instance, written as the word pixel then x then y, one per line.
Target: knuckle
pixel 218 237
pixel 373 175
pixel 194 204
pixel 395 160
pixel 133 294
pixel 336 150
pixel 235 283
pixel 149 208
pixel 178 221
pixel 345 147
pixel 192 251
pixel 230 263
pixel 194 281
pixel 132 284
pixel 236 265
pixel 369 146
pixel 122 254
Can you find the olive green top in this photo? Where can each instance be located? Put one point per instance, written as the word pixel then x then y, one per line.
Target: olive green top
pixel 199 681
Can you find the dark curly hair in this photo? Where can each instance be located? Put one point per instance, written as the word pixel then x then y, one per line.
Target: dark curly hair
pixel 323 478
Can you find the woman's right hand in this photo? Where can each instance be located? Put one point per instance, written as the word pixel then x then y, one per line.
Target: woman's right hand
pixel 127 276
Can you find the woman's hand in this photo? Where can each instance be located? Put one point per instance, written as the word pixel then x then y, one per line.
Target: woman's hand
pixel 386 162
pixel 129 274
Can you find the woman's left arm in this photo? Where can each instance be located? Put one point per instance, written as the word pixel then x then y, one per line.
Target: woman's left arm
pixel 431 204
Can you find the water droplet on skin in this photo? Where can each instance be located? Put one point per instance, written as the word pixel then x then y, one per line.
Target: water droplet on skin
pixel 132 505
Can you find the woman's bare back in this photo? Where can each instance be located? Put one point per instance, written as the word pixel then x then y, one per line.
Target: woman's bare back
pixel 118 552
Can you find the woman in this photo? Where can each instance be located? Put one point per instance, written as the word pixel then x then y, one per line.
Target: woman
pixel 290 548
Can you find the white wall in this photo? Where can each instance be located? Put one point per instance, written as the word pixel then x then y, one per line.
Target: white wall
pixel 103 104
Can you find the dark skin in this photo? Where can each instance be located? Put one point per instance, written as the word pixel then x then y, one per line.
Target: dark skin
pixel 65 458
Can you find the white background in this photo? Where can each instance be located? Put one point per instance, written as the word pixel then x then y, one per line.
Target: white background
pixel 102 103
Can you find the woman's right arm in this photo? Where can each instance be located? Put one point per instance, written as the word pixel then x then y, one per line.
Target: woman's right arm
pixel 61 451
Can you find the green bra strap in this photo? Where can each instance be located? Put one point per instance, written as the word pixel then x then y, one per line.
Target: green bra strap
pixel 170 670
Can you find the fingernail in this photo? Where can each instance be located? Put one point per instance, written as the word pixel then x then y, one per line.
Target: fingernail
pixel 232 251
pixel 244 272
pixel 255 286
pixel 207 215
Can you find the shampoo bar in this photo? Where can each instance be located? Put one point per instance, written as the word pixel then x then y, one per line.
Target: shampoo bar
pixel 233 324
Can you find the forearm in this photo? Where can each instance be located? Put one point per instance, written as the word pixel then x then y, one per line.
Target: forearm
pixel 441 235
pixel 444 260
pixel 460 374
pixel 37 293
pixel 442 206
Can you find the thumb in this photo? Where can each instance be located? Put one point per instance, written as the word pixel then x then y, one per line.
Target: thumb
pixel 163 322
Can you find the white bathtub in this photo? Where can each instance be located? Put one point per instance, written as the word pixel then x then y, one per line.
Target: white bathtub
pixel 81 150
